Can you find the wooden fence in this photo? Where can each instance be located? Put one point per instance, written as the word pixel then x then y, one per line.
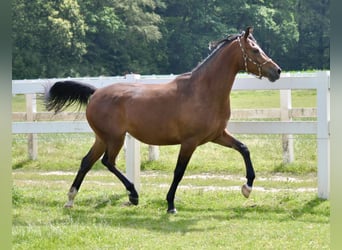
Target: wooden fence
pixel 32 122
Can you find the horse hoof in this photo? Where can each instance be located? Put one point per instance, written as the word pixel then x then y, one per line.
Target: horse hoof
pixel 246 190
pixel 134 200
pixel 172 211
pixel 68 205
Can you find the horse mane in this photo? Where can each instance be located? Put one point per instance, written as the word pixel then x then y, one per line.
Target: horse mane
pixel 216 46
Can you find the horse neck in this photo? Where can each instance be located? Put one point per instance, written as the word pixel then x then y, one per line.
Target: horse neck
pixel 217 77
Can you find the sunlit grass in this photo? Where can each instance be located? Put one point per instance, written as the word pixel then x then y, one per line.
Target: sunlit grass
pixel 212 219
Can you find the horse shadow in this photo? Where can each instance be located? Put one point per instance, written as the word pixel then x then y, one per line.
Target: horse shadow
pixel 151 214
pixel 122 214
pixel 189 216
pixel 21 164
pixel 282 212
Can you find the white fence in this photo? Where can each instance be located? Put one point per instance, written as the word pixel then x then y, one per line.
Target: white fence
pixel 319 81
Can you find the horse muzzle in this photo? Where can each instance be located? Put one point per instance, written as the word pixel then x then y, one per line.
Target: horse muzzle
pixel 274 74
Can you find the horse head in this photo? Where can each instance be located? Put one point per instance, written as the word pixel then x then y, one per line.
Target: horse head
pixel 255 59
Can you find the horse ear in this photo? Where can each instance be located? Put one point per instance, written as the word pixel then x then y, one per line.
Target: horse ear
pixel 248 31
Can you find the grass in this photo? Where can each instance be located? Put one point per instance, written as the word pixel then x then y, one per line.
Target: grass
pixel 212 212
pixel 207 218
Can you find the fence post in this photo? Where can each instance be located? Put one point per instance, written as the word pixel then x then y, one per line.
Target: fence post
pixel 153 153
pixel 133 161
pixel 133 150
pixel 323 140
pixel 31 109
pixel 287 140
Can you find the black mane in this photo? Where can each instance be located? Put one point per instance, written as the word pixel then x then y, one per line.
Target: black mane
pixel 216 46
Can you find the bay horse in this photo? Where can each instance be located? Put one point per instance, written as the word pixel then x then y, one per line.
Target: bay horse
pixel 191 110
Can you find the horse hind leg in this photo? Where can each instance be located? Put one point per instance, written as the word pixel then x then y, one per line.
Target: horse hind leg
pixel 109 161
pixel 86 164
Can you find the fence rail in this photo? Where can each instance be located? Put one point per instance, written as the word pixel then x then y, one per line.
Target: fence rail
pixel 316 80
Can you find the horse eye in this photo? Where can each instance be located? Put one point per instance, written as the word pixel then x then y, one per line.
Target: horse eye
pixel 256 51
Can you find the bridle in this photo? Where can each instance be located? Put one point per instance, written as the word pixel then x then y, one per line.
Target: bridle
pixel 246 57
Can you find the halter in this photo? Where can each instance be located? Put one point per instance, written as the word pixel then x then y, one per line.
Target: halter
pixel 246 57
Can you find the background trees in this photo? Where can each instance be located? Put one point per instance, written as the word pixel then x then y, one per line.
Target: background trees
pixel 48 37
pixel 313 27
pixel 114 37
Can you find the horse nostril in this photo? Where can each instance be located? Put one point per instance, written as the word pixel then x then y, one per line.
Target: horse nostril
pixel 279 71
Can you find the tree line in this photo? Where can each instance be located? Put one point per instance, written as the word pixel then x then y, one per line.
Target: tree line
pixel 73 38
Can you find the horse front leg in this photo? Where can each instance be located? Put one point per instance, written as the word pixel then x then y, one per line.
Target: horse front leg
pixel 228 140
pixel 184 156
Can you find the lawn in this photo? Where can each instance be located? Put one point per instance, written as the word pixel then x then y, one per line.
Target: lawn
pixel 209 217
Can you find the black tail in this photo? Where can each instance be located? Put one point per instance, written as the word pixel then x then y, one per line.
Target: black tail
pixel 62 94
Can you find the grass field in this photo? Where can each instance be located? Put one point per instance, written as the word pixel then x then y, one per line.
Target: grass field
pixel 283 211
pixel 210 216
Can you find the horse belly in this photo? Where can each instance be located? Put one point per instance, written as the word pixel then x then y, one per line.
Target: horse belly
pixel 151 130
pixel 169 128
pixel 156 139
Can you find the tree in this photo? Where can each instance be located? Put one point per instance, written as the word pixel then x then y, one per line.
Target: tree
pixel 48 38
pixel 189 26
pixel 114 37
pixel 274 23
pixel 119 36
pixel 314 28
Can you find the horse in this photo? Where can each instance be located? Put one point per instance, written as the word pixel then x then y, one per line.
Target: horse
pixel 190 110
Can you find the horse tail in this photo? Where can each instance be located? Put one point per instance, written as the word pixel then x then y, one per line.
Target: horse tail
pixel 62 94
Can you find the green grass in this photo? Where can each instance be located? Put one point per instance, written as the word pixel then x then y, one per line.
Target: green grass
pixel 207 219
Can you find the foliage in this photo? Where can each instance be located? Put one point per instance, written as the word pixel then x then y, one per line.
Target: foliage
pixel 48 37
pixel 119 35
pixel 114 37
pixel 313 26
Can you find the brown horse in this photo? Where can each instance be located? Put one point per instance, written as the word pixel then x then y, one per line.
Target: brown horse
pixel 191 110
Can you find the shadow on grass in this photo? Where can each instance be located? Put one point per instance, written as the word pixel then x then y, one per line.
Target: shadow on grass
pixel 293 168
pixel 284 209
pixel 151 214
pixel 21 164
pixel 310 206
